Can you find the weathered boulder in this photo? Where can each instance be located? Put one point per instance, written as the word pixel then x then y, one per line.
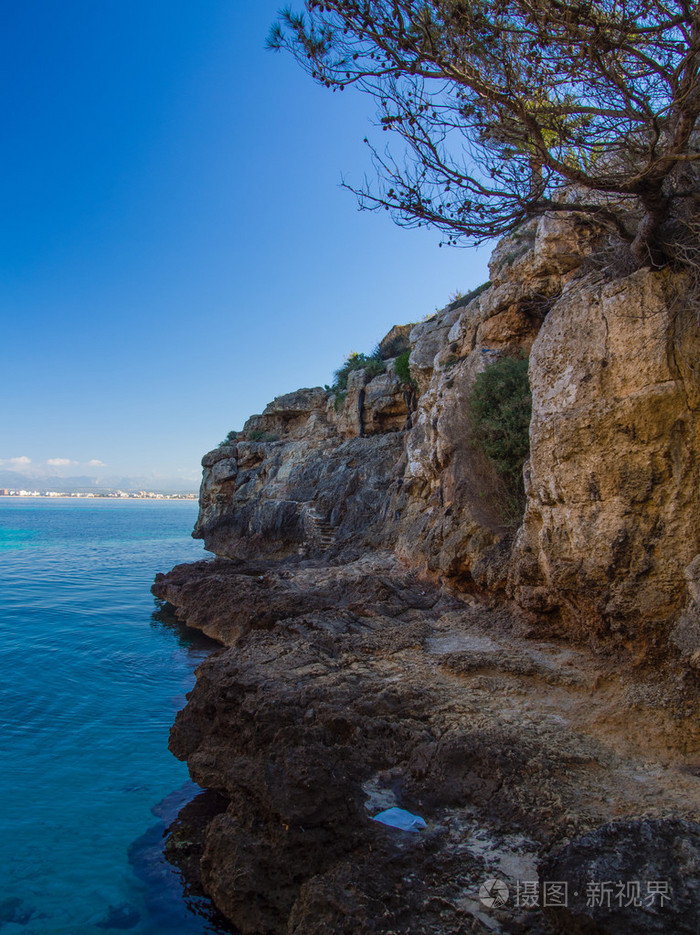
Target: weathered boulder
pixel 299 403
pixel 293 415
pixel 395 342
pixel 612 515
pixel 301 497
pixel 386 405
pixel 219 454
pixel 427 339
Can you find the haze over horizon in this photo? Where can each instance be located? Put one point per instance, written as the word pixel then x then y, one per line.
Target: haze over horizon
pixel 60 474
pixel 179 250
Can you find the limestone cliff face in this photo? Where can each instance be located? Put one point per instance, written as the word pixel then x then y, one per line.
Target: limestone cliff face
pixel 388 639
pixel 612 517
pixel 320 487
pixel 451 525
pixel 612 520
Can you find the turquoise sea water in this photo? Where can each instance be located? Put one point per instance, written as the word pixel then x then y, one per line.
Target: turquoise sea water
pixel 91 680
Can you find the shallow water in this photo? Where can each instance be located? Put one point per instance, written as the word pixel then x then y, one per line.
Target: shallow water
pixel 91 681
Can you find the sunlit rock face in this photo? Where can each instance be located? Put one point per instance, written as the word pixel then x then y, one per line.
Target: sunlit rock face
pixel 389 637
pixel 611 522
pixel 452 525
pixel 612 516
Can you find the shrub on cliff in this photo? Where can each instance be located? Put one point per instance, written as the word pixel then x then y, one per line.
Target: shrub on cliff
pixel 501 406
pixel 371 363
pixel 230 439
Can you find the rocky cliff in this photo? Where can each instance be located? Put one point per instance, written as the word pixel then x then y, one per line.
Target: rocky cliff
pixel 392 639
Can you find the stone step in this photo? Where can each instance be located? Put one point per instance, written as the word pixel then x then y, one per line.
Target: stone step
pixel 319 530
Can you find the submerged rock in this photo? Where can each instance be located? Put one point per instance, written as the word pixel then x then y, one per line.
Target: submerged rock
pixel 15 911
pixel 120 917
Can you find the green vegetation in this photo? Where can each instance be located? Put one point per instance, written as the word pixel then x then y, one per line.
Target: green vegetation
pixel 230 439
pixel 372 363
pixel 501 406
pixel 403 371
pixel 479 289
pixel 257 435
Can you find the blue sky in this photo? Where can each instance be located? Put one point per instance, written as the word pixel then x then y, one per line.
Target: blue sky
pixel 176 249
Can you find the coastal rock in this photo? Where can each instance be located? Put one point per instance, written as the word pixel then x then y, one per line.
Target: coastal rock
pixel 294 414
pixel 349 416
pixel 392 633
pixel 386 405
pixel 223 452
pixel 352 688
pixel 227 600
pixel 612 519
pixel 395 342
pixel 301 497
pixel 630 878
pixel 453 522
pixel 427 339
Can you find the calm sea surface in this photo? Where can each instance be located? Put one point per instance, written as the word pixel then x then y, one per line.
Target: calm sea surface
pixel 91 679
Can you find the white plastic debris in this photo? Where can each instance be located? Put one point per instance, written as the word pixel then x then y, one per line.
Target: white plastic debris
pixel 400 818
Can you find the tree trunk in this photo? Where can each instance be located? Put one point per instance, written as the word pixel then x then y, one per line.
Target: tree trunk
pixel 646 248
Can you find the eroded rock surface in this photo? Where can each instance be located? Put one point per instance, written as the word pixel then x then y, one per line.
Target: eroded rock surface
pixel 647 874
pixel 612 522
pixel 612 517
pixel 391 637
pixel 345 690
pixel 300 497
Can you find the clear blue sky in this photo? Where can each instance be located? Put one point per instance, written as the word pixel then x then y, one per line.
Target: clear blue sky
pixel 176 249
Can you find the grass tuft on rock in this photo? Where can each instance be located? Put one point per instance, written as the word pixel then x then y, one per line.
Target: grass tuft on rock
pixel 230 439
pixel 402 369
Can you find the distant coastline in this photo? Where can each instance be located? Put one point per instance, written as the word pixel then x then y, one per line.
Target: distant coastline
pixel 114 495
